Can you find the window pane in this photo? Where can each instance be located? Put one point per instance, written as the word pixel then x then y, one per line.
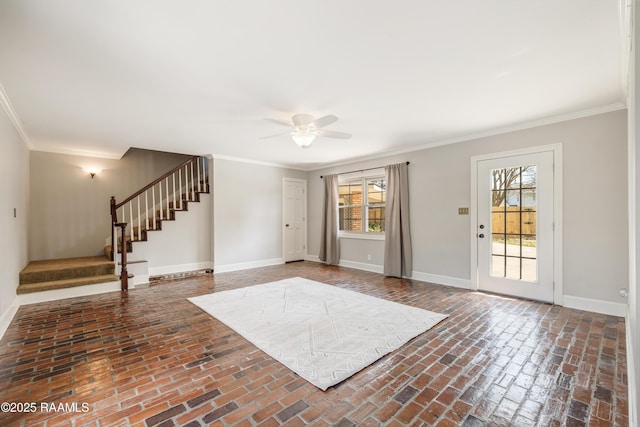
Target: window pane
pixel 513 221
pixel 350 194
pixel 376 220
pixel 497 201
pixel 513 268
pixel 497 266
pixel 513 245
pixel 498 244
pixel 350 219
pixel 376 191
pixel 512 177
pixel 497 222
pixel 529 176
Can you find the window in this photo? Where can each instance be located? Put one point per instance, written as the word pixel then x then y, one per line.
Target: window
pixel 361 205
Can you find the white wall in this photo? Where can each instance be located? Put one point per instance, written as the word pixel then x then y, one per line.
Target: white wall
pixel 181 245
pixel 248 214
pixel 70 211
pixel 595 205
pixel 14 194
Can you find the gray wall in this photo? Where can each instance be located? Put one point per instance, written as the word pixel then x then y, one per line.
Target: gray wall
pixel 595 251
pixel 14 194
pixel 70 211
pixel 248 212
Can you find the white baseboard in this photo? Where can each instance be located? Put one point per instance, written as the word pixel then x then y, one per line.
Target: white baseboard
pixel 373 268
pixel 423 277
pixel 313 258
pixel 139 270
pixel 77 291
pixel 179 268
pixel 139 280
pixel 225 268
pixel 7 317
pixel 632 379
pixel 442 280
pixel 594 305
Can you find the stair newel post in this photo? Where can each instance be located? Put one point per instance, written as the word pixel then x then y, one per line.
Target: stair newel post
pixel 114 219
pixel 124 275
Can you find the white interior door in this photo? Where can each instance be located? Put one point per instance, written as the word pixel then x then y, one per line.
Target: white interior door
pixel 515 225
pixel 294 221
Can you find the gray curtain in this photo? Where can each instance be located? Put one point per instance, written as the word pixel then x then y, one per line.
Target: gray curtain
pixel 397 232
pixel 329 241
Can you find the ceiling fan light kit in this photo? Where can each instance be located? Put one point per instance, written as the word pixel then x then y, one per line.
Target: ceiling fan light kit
pixel 303 138
pixel 305 128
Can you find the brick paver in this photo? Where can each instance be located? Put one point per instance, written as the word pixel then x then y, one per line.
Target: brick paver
pixel 151 358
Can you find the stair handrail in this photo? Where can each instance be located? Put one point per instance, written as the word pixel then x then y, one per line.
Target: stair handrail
pixel 115 205
pixel 148 186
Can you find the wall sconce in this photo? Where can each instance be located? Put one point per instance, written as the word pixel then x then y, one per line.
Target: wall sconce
pixel 93 171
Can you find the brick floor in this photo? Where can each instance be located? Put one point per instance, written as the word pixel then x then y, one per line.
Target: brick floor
pixel 151 358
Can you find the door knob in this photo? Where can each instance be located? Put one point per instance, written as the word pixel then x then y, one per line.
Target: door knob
pixel 481 236
pixel 286 225
pixel 481 226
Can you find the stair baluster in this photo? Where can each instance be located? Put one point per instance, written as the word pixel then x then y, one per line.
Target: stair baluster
pixel 199 178
pixel 180 186
pixel 193 191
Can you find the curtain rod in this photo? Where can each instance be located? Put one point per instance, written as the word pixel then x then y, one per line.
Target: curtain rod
pixel 359 170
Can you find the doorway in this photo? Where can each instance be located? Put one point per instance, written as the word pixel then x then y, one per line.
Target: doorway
pixel 294 221
pixel 515 233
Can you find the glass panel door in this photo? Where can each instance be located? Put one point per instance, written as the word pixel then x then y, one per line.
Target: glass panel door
pixel 515 225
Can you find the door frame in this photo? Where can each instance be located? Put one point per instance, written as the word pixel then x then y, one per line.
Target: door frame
pixel 557 212
pixel 283 219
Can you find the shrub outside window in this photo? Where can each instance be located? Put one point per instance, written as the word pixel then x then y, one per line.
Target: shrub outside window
pixel 361 205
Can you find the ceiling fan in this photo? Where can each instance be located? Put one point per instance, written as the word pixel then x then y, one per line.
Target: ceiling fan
pixel 304 128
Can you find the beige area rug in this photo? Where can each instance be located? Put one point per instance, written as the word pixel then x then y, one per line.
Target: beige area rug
pixel 323 333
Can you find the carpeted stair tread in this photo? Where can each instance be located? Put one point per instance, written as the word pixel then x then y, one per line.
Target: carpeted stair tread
pixel 67 268
pixel 63 284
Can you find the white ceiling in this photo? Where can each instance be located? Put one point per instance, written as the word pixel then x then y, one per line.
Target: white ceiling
pixel 200 77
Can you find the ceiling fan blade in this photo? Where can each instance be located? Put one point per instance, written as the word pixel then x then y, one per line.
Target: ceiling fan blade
pixel 324 121
pixel 276 135
pixel 279 122
pixel 333 134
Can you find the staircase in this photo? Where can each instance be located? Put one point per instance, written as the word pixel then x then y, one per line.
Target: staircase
pixel 146 209
pixel 139 233
pixel 144 212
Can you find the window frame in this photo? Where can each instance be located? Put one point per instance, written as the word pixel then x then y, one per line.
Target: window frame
pixel 363 181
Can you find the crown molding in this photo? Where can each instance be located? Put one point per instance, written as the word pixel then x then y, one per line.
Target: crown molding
pixel 83 153
pixel 478 135
pixel 625 21
pixel 255 162
pixel 13 116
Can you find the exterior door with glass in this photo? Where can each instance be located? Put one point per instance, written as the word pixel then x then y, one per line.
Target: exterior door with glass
pixel 515 231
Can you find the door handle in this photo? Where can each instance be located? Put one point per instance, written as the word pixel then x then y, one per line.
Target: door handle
pixel 481 236
pixel 286 225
